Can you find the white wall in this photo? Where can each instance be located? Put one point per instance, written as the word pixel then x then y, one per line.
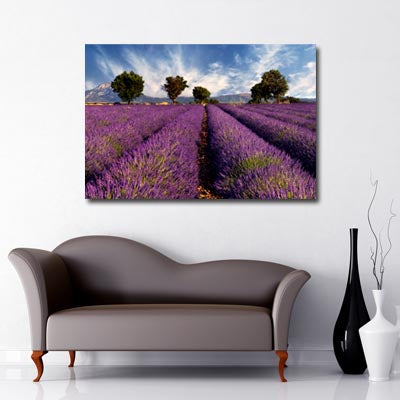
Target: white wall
pixel 42 144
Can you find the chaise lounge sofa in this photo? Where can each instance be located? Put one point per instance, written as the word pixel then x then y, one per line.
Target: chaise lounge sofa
pixel 110 293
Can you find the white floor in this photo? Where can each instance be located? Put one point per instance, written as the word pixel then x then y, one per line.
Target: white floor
pixel 190 383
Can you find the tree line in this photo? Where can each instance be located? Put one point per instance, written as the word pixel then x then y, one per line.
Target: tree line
pixel 129 86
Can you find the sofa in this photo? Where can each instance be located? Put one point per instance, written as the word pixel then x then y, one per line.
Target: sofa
pixel 110 293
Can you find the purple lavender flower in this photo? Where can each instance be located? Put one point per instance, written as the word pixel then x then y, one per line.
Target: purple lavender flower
pixel 250 168
pixel 298 142
pixel 163 167
pixel 285 115
pixel 112 131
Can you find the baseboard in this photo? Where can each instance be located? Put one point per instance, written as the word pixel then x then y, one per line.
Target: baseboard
pixel 173 358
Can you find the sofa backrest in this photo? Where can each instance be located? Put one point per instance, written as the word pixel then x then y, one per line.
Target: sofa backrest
pixel 113 270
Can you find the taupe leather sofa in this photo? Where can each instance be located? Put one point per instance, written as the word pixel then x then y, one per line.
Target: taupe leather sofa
pixel 110 293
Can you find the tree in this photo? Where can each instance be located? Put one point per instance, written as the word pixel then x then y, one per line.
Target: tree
pixel 128 85
pixel 292 99
pixel 174 87
pixel 213 101
pixel 201 94
pixel 274 85
pixel 257 93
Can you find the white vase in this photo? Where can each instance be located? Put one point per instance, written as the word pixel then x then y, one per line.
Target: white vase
pixel 379 339
pixel 396 358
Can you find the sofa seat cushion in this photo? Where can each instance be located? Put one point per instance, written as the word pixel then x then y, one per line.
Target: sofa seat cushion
pixel 161 327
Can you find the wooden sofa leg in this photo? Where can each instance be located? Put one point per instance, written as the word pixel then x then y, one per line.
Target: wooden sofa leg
pixel 37 359
pixel 71 358
pixel 283 356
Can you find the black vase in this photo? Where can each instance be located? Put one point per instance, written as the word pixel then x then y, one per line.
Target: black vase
pixel 353 315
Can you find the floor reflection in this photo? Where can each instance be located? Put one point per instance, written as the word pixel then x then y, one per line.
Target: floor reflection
pixel 351 387
pixel 194 383
pixel 383 390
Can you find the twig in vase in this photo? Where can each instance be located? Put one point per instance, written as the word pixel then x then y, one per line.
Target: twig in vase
pixel 374 254
pixel 378 242
pixel 384 255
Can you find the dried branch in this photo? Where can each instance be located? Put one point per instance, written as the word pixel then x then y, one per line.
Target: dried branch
pixel 384 255
pixel 381 266
pixel 374 254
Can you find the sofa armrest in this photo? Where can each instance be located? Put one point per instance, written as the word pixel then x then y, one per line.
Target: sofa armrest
pixel 47 288
pixel 284 299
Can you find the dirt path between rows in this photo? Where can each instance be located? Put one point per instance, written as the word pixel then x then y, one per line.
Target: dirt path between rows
pixel 206 173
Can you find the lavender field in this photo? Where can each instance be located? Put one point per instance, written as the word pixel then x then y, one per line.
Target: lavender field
pixel 223 151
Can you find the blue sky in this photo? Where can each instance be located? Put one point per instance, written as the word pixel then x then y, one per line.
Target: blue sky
pixel 222 69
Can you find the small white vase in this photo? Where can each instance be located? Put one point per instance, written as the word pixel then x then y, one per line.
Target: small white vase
pixel 396 358
pixel 379 339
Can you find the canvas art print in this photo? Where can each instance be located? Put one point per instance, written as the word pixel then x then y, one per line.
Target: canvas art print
pixel 200 122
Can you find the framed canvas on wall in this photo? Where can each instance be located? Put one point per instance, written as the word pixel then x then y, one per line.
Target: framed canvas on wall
pixel 200 122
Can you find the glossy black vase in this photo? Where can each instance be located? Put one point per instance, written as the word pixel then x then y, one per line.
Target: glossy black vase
pixel 353 315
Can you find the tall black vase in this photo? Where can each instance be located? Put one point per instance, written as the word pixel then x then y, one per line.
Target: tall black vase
pixel 353 315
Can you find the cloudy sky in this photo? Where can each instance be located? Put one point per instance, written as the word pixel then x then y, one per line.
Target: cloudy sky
pixel 222 69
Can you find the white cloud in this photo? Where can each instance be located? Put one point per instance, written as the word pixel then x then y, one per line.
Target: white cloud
pixel 303 83
pixel 215 66
pixel 238 59
pixel 216 80
pixel 311 65
pixel 267 58
pixel 89 85
pixel 154 72
pixel 108 67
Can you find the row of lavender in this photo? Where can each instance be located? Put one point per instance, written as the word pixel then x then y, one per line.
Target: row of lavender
pixel 297 141
pixel 113 131
pixel 306 110
pixel 304 120
pixel 248 167
pixel 162 167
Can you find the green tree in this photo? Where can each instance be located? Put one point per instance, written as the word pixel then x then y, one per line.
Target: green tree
pixel 274 85
pixel 257 93
pixel 128 85
pixel 201 94
pixel 213 101
pixel 174 87
pixel 291 99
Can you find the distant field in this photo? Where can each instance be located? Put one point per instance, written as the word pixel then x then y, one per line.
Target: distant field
pixel 224 151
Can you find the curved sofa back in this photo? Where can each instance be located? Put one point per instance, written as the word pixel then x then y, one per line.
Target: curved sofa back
pixel 113 270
